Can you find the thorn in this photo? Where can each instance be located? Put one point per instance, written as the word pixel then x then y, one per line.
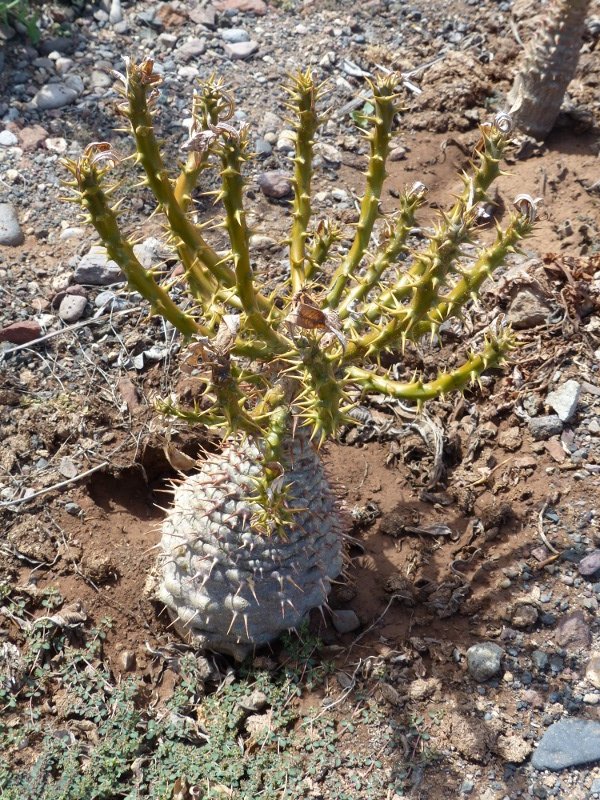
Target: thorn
pixel 233 619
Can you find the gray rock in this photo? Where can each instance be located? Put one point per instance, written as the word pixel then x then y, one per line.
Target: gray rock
pixel 101 79
pixel 590 564
pixel 72 307
pixel 191 49
pixel 11 234
pixel 262 147
pixel 544 427
pixel 256 701
pixel 345 620
pixel 240 50
pixel 330 153
pixel 57 44
pixel 54 95
pixel 96 269
pixel 203 16
pixel 115 15
pixel 564 399
pixel 527 309
pixel 540 659
pixel 109 298
pixel 524 615
pixel 568 743
pixel 152 252
pixel 8 139
pixel 484 660
pixel 234 35
pixel 275 184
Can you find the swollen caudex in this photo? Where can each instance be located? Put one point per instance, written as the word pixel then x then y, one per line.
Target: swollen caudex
pixel 229 587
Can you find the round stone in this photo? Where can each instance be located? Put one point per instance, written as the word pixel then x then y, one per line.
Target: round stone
pixel 484 660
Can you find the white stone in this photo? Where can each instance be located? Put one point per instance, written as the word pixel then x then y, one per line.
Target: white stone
pixel 54 95
pixel 8 139
pixel 564 399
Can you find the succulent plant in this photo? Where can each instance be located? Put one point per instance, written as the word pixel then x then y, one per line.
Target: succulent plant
pixel 253 539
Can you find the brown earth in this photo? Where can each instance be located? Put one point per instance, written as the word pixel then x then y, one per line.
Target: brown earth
pixel 476 539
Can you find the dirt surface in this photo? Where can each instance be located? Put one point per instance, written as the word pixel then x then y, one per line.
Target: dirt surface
pixel 468 524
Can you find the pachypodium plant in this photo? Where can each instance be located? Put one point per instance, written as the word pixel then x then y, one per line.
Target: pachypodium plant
pixel 253 540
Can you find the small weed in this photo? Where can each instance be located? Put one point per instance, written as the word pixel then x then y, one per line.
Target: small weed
pixel 104 740
pixel 22 12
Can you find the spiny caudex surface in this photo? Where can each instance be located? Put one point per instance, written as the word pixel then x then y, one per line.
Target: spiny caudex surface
pixel 253 540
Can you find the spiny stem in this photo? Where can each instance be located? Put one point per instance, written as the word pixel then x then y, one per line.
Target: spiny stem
pixel 231 152
pixel 326 235
pixel 104 220
pixel 209 105
pixel 194 252
pixel 471 280
pixel 379 138
pixel 454 228
pixel 402 226
pixel 491 356
pixel 303 94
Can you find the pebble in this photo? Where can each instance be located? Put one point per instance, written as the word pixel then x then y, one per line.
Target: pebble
pixel 527 309
pixel 274 184
pixel 234 35
pixel 109 298
pixel 345 620
pixel 21 332
pixel 191 49
pixel 544 427
pixel 484 660
pixel 568 743
pixel 72 233
pixel 72 307
pixel 203 16
pixel 32 137
pixel 397 154
pixel 564 400
pixel 96 269
pixel 330 153
pixel 590 564
pixel 128 660
pixel 259 241
pixel 152 251
pixel 54 95
pixel 540 659
pixel 262 147
pixel 240 50
pixel 11 234
pixel 256 701
pixel 8 139
pixel 258 7
pixel 573 630
pixel 56 144
pixel 270 123
pixel 63 65
pixel 286 141
pixel 100 79
pixel 592 670
pixel 524 615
